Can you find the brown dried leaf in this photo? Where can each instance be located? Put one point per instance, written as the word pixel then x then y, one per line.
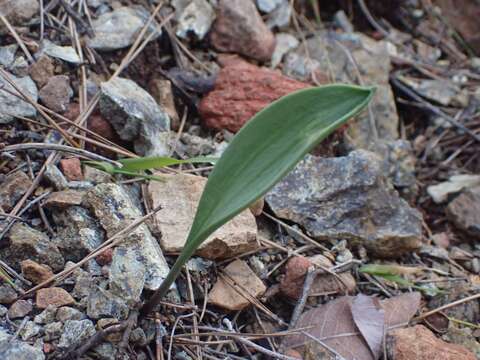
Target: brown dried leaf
pixel 333 325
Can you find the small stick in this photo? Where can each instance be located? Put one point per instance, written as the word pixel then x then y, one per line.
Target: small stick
pixel 17 38
pixel 311 274
pixel 158 338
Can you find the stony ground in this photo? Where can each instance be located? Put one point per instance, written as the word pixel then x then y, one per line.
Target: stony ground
pixel 368 249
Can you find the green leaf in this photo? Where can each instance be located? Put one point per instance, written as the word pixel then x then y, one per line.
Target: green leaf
pixel 156 162
pixel 265 150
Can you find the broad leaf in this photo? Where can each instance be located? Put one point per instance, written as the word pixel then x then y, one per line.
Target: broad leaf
pixel 264 150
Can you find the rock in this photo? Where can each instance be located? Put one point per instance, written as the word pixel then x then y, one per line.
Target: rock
pixel 55 177
pixel 225 296
pixel 19 309
pixel 119 28
pixel 64 199
pixel 197 18
pixel 418 342
pixel 296 270
pixel 102 303
pixel 280 16
pixel 341 20
pixel 75 332
pixel 46 316
pixel 18 12
pixel 7 54
pixel 19 67
pixel 68 313
pixel 65 53
pixel 42 70
pixel 53 296
pixel 455 184
pixel 35 272
pixel 241 91
pixel 135 116
pixel 463 336
pixel 162 92
pixel 30 330
pixel 115 210
pixel 13 188
pixel 464 211
pixel 250 36
pixel 178 195
pixel 56 93
pixel 7 294
pixel 102 127
pixel 125 263
pixel 105 258
pixel 11 105
pixel 26 243
pixel 72 169
pixel 78 233
pixel 18 350
pixel 53 331
pixel 348 198
pixel 267 6
pixel 283 44
pixel 96 176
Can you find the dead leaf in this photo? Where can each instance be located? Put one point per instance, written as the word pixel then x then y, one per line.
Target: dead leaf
pixel 369 317
pixel 334 325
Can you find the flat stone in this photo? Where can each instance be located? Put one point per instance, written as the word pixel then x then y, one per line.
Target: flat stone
pixel 178 195
pixel 102 303
pixel 115 210
pixel 96 176
pixel 68 313
pixel 19 309
pixel 7 294
pixel 464 211
pixel 78 232
pixel 249 37
pixel 119 28
pixel 42 70
pixel 72 169
pixel 75 332
pixel 11 105
pixel 162 92
pixel 53 296
pixel 19 350
pixel 241 91
pixel 418 342
pixel 46 316
pixel 13 188
pixel 284 42
pixel 135 116
pixel 7 54
pixel 30 244
pixel 56 93
pixel 30 330
pixel 267 6
pixel 455 184
pixel 225 296
pixel 55 177
pixel 197 18
pixel 18 12
pixel 65 53
pixel 348 198
pixel 64 199
pixel 280 16
pixel 35 272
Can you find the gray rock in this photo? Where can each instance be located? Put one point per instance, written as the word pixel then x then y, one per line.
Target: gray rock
pixel 119 28
pixel 20 67
pixel 55 177
pixel 280 16
pixel 268 5
pixel 348 198
pixel 56 94
pixel 68 313
pixel 11 105
pixel 75 332
pixel 18 350
pixel 7 54
pixel 7 294
pixel 115 210
pixel 138 337
pixel 102 303
pixel 455 184
pixel 84 282
pixel 4 333
pixel 27 243
pixel 284 43
pixel 65 53
pixel 197 18
pixel 135 116
pixel 78 233
pixel 341 20
pixel 13 188
pixel 46 316
pixel 127 275
pixel 30 330
pixel 53 331
pixel 464 211
pixel 105 351
pixel 3 311
pixel 18 12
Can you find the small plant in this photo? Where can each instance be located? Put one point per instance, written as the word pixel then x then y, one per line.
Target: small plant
pixel 265 150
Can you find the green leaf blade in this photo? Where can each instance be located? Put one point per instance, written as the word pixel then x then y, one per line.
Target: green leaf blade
pixel 156 162
pixel 268 147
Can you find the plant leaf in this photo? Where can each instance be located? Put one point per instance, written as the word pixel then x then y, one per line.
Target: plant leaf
pixel 155 162
pixel 264 150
